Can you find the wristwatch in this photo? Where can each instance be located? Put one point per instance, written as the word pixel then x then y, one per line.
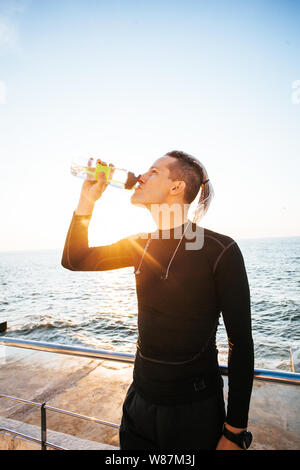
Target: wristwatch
pixel 242 439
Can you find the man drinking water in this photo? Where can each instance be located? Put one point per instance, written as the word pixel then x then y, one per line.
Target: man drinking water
pixel 186 276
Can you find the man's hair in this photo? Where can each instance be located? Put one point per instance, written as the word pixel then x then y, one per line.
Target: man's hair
pixel 187 169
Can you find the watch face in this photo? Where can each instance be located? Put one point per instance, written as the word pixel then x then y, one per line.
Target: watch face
pixel 247 439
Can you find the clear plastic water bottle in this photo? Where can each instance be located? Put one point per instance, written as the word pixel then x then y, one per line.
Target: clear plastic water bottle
pixel 116 177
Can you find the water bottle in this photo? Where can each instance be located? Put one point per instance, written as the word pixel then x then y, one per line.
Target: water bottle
pixel 117 177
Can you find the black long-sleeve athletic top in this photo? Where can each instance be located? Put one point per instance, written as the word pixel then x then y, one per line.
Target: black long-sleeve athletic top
pixel 178 316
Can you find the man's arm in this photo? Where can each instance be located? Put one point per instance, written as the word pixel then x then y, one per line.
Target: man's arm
pixel 77 255
pixel 234 297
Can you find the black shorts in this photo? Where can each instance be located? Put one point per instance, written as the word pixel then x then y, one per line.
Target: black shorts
pixel 195 425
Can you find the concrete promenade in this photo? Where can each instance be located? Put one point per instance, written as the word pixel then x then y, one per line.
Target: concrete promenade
pixel 97 388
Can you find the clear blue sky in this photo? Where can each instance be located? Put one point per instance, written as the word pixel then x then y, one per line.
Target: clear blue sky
pixel 131 80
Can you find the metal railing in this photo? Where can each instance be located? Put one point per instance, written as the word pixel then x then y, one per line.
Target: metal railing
pixel 29 438
pixel 291 378
pixel 281 376
pixel 43 407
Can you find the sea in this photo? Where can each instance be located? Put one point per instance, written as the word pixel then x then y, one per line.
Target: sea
pixel 42 301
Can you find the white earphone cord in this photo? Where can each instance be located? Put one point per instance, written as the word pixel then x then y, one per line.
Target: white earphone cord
pixel 174 253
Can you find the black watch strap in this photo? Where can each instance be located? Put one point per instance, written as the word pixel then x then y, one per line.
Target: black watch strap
pixel 242 439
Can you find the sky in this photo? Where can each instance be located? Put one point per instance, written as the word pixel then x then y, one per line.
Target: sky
pixel 128 81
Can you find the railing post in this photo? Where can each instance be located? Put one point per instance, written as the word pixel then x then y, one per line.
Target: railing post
pixel 43 427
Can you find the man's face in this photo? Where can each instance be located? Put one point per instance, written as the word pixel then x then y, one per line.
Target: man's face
pixel 154 185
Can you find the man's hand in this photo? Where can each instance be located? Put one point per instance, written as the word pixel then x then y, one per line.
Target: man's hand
pixel 226 444
pixel 91 191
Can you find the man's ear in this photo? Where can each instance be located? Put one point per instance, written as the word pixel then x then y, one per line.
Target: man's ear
pixel 177 187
